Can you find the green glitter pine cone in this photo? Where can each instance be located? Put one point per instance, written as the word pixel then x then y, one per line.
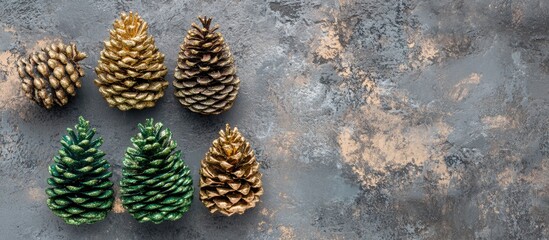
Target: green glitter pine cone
pixel 81 191
pixel 156 185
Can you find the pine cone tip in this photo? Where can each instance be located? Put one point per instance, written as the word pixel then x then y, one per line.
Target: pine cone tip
pixel 149 123
pixel 130 16
pixel 206 21
pixel 75 54
pixel 228 130
pixel 132 24
pixel 82 121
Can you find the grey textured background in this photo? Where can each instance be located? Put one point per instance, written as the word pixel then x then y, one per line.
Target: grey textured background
pixel 372 119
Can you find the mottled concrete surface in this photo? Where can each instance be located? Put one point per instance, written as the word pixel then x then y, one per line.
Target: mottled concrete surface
pixel 372 119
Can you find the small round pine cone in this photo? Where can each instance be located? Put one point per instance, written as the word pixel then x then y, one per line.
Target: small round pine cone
pixel 51 75
pixel 205 76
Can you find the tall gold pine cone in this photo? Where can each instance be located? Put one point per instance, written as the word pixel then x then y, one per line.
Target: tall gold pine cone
pixel 230 181
pixel 131 70
pixel 51 75
pixel 205 76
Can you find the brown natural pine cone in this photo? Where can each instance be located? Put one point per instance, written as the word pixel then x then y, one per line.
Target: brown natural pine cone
pixel 205 76
pixel 131 70
pixel 230 181
pixel 51 75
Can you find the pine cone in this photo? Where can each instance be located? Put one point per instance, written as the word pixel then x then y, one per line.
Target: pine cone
pixel 51 75
pixel 131 70
pixel 156 184
pixel 205 76
pixel 230 181
pixel 81 191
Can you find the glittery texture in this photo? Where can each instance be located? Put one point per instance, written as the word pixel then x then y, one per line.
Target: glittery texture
pixel 205 76
pixel 81 191
pixel 51 75
pixel 156 185
pixel 230 181
pixel 131 70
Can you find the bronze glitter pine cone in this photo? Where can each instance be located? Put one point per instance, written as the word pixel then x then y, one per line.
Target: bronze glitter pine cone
pixel 205 76
pixel 131 70
pixel 51 75
pixel 230 181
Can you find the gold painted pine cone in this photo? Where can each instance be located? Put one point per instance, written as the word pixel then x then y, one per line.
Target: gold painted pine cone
pixel 51 75
pixel 205 76
pixel 230 181
pixel 131 70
